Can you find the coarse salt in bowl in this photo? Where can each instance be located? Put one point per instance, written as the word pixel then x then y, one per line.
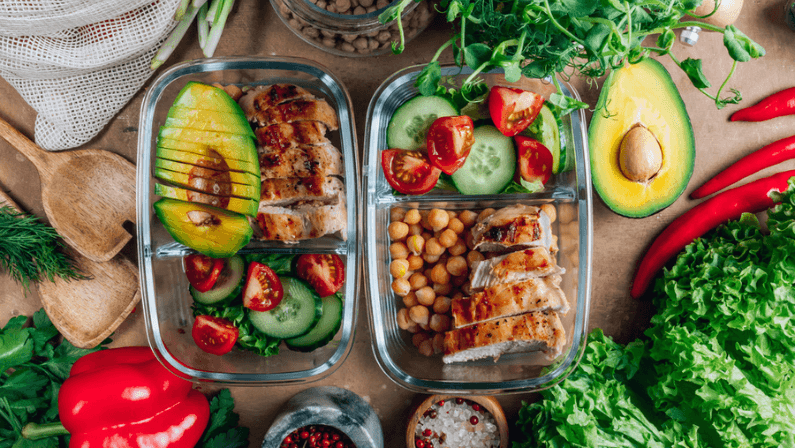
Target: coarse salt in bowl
pixel 446 421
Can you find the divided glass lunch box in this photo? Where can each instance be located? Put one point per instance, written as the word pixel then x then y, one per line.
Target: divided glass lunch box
pixel 569 192
pixel 164 285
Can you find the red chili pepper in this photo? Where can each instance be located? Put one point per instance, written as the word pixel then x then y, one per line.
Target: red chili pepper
pixel 753 197
pixel 124 398
pixel 776 105
pixel 758 160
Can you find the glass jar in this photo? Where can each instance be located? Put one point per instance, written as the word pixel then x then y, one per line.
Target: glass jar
pixel 351 27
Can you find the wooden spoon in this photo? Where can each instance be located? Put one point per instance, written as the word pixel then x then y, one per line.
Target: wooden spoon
pixel 88 311
pixel 87 194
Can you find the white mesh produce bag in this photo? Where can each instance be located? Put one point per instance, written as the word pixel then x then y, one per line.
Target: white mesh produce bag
pixel 78 78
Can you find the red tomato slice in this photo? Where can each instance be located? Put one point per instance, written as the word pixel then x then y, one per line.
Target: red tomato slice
pixel 263 288
pixel 409 172
pixel 325 272
pixel 203 271
pixel 449 141
pixel 214 335
pixel 512 110
pixel 534 160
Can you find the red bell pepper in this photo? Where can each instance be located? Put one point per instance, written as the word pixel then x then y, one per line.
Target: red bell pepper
pixel 753 197
pixel 776 105
pixel 124 398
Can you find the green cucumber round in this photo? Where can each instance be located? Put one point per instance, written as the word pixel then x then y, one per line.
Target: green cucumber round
pixel 491 163
pixel 228 286
pixel 410 122
pixel 295 315
pixel 547 128
pixel 325 329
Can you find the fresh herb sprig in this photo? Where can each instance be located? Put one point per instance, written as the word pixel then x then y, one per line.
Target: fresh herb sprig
pixel 31 251
pixel 545 38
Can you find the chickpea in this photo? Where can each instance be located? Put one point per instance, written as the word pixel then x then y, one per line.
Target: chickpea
pixel 412 217
pixel 438 343
pixel 426 295
pixel 433 247
pixel 448 238
pixel 419 338
pixel 424 327
pixel 397 214
pixel 401 287
pixel 550 211
pixel 410 299
pixel 442 304
pixel 403 320
pixel 568 213
pixel 417 281
pixel 439 323
pixel 451 214
pixel 359 10
pixel 457 266
pixel 468 218
pixel 415 262
pixel 485 214
pixel 419 314
pixel 474 256
pixel 439 274
pixel 430 258
pixel 415 244
pixel 553 246
pixel 398 251
pixel 398 230
pixel 442 289
pixel 399 268
pixel 415 229
pixel 426 347
pixel 427 272
pixel 426 235
pixel 438 219
pixel 459 248
pixel 456 226
pixel 413 327
pixel 459 280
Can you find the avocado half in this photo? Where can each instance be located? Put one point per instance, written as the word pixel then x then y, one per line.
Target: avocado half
pixel 641 94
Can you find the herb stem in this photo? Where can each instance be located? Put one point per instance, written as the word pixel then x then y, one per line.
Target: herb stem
pixel 36 431
pixel 558 25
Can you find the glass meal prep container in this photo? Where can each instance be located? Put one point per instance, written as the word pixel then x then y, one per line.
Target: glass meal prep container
pixel 569 192
pixel 164 285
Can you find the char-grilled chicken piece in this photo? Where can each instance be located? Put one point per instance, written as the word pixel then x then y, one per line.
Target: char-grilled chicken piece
pixel 303 221
pixel 300 161
pixel 540 330
pixel 290 190
pixel 505 300
pixel 288 135
pixel 264 97
pixel 299 110
pixel 515 226
pixel 518 266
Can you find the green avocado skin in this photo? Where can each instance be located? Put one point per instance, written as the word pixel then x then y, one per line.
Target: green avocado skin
pixel 661 90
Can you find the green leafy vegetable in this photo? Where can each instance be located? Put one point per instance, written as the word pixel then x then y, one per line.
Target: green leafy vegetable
pixel 222 430
pixel 249 338
pixel 540 38
pixel 32 251
pixel 282 264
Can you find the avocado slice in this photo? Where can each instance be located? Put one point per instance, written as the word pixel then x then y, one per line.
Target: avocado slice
pixel 212 231
pixel 211 160
pixel 218 187
pixel 642 147
pixel 229 146
pixel 208 173
pixel 231 203
pixel 208 120
pixel 196 95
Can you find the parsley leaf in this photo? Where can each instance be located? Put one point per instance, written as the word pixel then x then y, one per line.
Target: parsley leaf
pixel 222 430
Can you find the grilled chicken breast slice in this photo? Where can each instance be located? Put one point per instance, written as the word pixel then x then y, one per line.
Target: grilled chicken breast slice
pixel 540 330
pixel 290 190
pixel 300 161
pixel 299 110
pixel 514 267
pixel 264 97
pixel 518 225
pixel 504 300
pixel 288 135
pixel 303 221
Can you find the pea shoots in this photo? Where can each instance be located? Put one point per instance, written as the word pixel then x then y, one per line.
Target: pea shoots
pixel 542 38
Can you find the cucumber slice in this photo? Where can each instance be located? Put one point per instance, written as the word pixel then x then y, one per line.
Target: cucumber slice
pixel 547 128
pixel 411 121
pixel 325 329
pixel 295 315
pixel 490 165
pixel 228 285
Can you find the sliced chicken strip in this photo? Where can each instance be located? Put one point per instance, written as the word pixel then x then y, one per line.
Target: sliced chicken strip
pixel 299 110
pixel 288 135
pixel 541 330
pixel 517 225
pixel 264 97
pixel 299 161
pixel 514 267
pixel 535 294
pixel 303 221
pixel 290 190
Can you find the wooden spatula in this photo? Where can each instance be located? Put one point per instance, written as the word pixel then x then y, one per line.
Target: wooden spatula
pixel 87 194
pixel 88 311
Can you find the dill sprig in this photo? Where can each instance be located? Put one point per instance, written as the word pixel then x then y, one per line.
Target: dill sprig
pixel 31 251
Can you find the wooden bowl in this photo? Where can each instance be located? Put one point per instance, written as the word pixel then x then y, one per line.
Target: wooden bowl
pixel 489 403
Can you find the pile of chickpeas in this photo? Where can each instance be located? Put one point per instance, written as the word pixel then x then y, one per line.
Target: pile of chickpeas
pixel 432 255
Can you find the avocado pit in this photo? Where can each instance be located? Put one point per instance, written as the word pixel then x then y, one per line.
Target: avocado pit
pixel 640 154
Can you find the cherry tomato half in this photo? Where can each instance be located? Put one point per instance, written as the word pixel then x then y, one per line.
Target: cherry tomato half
pixel 263 288
pixel 512 110
pixel 409 172
pixel 203 271
pixel 325 272
pixel 449 141
pixel 534 160
pixel 214 335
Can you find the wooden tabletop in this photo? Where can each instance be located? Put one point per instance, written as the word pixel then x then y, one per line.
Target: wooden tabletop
pixel 254 29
